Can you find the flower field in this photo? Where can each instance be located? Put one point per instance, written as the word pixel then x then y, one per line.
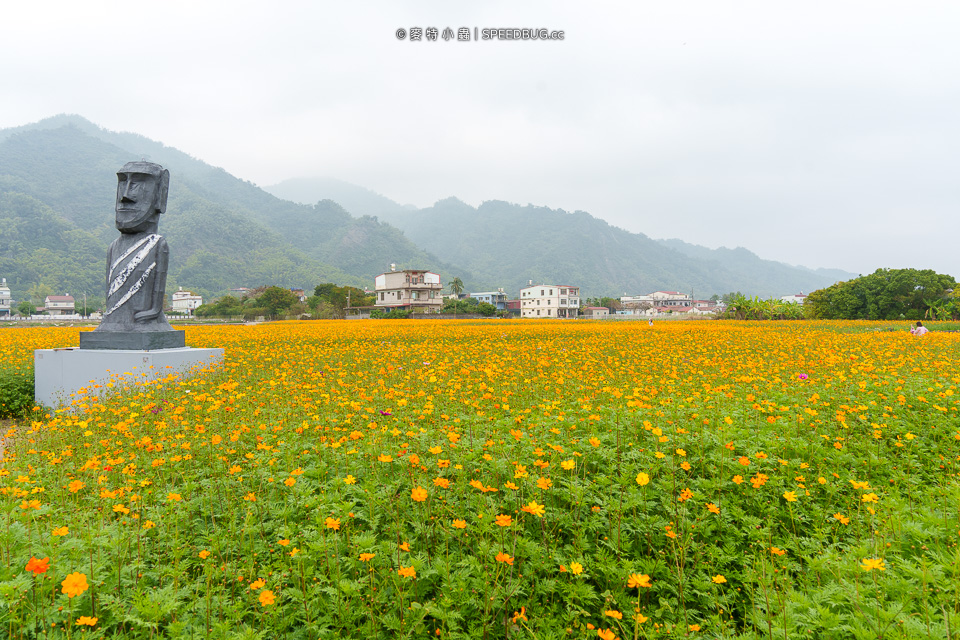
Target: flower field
pixel 497 479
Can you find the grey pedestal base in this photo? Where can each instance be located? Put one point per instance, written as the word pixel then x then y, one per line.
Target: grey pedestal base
pixel 63 376
pixel 132 340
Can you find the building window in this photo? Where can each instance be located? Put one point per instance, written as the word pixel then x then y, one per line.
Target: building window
pixel 541 291
pixel 563 292
pixel 551 291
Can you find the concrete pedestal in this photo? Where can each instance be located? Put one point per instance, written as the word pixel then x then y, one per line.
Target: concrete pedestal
pixel 60 374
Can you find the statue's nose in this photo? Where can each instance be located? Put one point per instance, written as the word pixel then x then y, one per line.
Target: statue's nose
pixel 127 195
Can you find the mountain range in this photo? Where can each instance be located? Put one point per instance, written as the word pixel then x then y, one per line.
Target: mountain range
pixel 57 189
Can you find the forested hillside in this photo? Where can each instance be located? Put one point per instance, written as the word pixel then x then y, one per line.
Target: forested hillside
pixel 506 245
pixel 57 189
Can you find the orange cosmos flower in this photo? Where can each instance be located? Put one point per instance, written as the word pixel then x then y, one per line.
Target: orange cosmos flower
pixel 257 584
pixel 613 613
pixel 37 566
pixel 267 598
pixel 443 483
pixel 367 557
pixel 174 497
pixel 637 580
pixel 544 483
pixel 407 572
pixel 62 531
pixel 460 524
pixel 85 621
pixel 419 494
pixel 606 634
pixel 685 495
pixel 504 520
pixel 718 579
pixel 250 497
pixel 76 485
pixel 870 497
pixel 744 460
pixel 712 508
pixel 534 508
pixel 842 518
pixel 74 584
pixel 290 482
pixel 777 552
pixel 332 523
pixel 503 557
pixel 738 479
pixel 204 554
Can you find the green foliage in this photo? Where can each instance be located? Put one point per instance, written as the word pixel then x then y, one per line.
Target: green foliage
pixel 225 307
pixel 741 307
pixel 16 392
pixel 395 314
pixel 338 298
pixel 887 294
pixel 277 300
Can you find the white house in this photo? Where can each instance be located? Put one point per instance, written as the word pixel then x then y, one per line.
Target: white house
pixel 185 302
pixel 796 298
pixel 59 305
pixel 410 289
pixel 549 301
pixel 5 300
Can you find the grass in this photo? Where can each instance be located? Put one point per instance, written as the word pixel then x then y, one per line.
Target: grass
pixel 508 479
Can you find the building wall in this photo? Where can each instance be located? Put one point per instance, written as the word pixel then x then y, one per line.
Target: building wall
pixel 549 301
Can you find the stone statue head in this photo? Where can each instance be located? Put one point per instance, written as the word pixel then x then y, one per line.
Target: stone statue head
pixel 141 196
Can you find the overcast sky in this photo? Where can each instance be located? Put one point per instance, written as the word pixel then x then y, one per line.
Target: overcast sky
pixel 816 133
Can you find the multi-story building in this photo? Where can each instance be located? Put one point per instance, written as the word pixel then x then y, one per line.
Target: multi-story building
pixel 410 289
pixel 185 302
pixel 5 300
pixel 497 298
pixel 549 301
pixel 59 305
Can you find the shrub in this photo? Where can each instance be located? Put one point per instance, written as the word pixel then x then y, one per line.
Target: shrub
pixel 16 393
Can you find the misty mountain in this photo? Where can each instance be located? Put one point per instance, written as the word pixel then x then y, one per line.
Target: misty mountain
pixel 353 198
pixel 57 189
pixel 506 245
pixel 58 177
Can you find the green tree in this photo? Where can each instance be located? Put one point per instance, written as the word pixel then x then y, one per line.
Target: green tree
pixel 26 308
pixel 886 294
pixel 276 300
pixel 456 286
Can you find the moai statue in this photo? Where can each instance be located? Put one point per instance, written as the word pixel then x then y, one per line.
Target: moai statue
pixel 137 267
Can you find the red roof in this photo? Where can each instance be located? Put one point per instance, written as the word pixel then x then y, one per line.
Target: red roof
pixel 60 298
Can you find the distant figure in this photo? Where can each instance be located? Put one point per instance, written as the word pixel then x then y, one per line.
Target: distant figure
pixel 919 330
pixel 650 322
